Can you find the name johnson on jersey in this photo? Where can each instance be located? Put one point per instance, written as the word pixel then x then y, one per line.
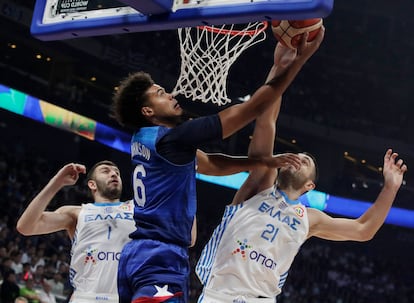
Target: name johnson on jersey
pixel 139 149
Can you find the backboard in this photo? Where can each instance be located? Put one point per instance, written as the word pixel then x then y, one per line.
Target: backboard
pixel 65 19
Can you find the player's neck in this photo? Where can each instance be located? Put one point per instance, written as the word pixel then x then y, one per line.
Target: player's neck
pixel 169 122
pixel 291 194
pixel 102 199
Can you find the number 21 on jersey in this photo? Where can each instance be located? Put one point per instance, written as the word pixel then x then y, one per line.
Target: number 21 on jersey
pixel 270 232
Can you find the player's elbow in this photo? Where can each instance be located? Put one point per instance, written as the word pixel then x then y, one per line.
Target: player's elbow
pixel 208 170
pixel 24 229
pixel 365 235
pixel 366 229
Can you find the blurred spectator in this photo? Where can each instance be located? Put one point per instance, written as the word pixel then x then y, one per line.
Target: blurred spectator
pixel 17 264
pixel 6 265
pixel 4 238
pixel 9 288
pixel 21 300
pixel 56 284
pixel 62 263
pixel 28 291
pixel 38 258
pixel 26 271
pixel 38 276
pixel 46 295
pixel 49 271
pixel 3 252
pixel 30 251
pixel 52 261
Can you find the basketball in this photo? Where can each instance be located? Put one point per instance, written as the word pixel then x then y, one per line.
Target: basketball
pixel 289 32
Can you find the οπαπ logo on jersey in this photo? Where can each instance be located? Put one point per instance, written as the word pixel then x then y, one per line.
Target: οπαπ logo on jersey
pixel 90 255
pixel 243 246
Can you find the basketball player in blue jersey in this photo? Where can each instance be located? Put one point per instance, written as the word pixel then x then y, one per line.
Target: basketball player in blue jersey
pixel 249 254
pixel 98 230
pixel 154 266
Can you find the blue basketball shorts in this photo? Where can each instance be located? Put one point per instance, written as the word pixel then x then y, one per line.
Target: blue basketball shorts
pixel 151 271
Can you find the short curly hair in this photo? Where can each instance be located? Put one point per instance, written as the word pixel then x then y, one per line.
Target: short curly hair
pixel 130 98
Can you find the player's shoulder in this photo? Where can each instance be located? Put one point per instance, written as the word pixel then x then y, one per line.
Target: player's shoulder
pixel 68 209
pixel 71 211
pixel 314 212
pixel 316 216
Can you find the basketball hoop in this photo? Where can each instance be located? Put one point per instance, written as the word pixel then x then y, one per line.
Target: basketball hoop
pixel 207 53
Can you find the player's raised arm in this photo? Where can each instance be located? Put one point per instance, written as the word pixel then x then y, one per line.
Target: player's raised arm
pixel 35 220
pixel 237 116
pixel 264 135
pixel 367 225
pixel 223 165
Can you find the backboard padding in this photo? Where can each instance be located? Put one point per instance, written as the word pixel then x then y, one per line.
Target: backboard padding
pixel 49 24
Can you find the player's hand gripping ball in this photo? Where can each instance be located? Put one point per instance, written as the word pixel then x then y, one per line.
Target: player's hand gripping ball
pixel 289 32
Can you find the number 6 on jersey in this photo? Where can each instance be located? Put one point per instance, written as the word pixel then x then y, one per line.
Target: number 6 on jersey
pixel 139 187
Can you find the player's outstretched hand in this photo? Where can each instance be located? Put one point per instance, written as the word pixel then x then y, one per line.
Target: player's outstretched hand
pixel 306 49
pixel 393 169
pixel 69 174
pixel 283 160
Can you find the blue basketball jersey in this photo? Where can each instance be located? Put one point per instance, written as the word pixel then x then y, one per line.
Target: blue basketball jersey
pixel 164 193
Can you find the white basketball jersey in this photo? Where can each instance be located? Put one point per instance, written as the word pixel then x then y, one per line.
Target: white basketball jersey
pixel 251 251
pixel 101 232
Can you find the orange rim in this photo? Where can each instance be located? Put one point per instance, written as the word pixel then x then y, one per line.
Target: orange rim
pixel 235 32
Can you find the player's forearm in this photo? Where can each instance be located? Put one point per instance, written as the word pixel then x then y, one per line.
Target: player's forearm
pixel 283 77
pixel 279 79
pixel 31 217
pixel 194 232
pixel 262 142
pixel 237 116
pixel 221 165
pixel 374 217
pixel 272 73
pixel 273 89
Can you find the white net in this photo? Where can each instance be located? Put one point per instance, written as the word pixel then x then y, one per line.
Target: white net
pixel 207 53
